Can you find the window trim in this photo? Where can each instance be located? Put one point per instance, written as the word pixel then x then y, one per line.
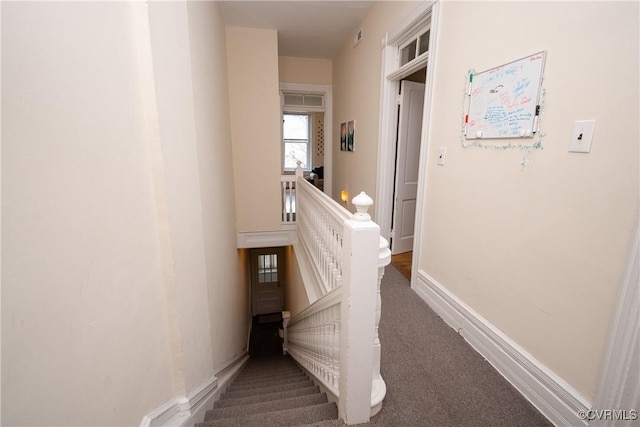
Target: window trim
pixel 418 62
pixel 327 92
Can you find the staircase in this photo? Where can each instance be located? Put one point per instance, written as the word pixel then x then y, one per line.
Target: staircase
pixel 272 392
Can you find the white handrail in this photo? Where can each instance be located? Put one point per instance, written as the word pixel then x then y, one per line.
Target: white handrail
pixel 336 338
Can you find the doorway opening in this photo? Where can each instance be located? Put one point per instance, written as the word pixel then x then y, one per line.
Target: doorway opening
pixel 267 267
pixel 407 162
pixel 407 49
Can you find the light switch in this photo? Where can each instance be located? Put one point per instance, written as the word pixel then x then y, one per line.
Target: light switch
pixel 581 136
pixel 442 155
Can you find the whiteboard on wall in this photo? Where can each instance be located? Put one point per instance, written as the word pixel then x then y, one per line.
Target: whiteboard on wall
pixel 504 101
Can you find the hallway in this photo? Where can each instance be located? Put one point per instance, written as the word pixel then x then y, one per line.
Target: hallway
pixel 433 377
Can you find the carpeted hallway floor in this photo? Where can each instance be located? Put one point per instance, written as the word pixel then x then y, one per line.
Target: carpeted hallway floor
pixel 434 378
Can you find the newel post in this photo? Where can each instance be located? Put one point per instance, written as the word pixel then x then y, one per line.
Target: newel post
pixel 361 248
pixel 378 387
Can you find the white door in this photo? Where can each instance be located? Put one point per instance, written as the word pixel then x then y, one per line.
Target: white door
pixel 407 162
pixel 266 280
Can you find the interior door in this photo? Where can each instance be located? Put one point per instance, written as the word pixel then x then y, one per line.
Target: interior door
pixel 267 273
pixel 407 163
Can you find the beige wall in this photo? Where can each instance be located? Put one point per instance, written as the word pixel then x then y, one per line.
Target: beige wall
pixel 254 101
pixel 122 288
pixel 228 284
pixel 310 71
pixel 540 252
pixel 180 180
pixel 295 296
pixel 356 96
pixel 84 332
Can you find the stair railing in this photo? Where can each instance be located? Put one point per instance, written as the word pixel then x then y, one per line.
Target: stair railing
pixel 288 201
pixel 336 338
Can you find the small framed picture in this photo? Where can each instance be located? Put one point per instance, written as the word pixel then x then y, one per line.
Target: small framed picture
pixel 343 137
pixel 351 134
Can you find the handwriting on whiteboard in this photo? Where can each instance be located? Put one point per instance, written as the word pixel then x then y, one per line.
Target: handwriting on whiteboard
pixel 503 100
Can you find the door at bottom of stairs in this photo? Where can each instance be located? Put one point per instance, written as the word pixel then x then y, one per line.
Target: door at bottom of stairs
pixel 267 276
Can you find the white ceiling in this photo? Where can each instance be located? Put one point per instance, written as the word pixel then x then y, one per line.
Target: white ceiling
pixel 310 29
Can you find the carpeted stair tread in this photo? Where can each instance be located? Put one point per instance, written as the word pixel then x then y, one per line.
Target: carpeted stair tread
pixel 269 377
pixel 266 390
pixel 257 363
pixel 260 407
pixel 258 368
pixel 268 383
pixel 271 392
pixel 266 376
pixel 284 418
pixel 266 397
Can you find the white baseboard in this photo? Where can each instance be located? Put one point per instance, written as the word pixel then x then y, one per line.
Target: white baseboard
pixel 185 411
pixel 163 415
pixel 551 395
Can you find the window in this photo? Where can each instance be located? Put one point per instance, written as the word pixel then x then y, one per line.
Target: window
pixel 414 48
pixel 296 141
pixel 303 100
pixel 267 268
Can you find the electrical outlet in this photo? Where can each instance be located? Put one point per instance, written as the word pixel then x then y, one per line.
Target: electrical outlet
pixel 581 136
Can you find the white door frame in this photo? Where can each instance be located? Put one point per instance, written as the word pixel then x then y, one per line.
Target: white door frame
pixel 391 76
pixel 326 92
pixel 619 387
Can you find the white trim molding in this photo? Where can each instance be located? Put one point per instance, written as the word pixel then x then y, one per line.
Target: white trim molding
pixel 391 74
pixel 620 384
pixel 265 239
pixel 549 393
pixel 162 416
pixel 177 410
pixel 184 411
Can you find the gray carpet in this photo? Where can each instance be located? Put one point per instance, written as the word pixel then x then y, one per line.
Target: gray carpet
pixel 272 391
pixel 434 378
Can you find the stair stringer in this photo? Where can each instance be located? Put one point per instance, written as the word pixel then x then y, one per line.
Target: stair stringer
pixel 378 389
pixel 185 411
pixel 331 396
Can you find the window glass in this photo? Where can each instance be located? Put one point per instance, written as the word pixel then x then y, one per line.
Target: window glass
pixel 296 126
pixel 424 43
pixel 295 131
pixel 293 99
pixel 267 268
pixel 408 52
pixel 313 100
pixel 294 151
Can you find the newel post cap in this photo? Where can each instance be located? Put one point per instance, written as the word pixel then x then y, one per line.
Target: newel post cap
pixel 362 203
pixel 299 172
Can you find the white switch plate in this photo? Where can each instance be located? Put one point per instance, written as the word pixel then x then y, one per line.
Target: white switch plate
pixel 581 136
pixel 442 155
